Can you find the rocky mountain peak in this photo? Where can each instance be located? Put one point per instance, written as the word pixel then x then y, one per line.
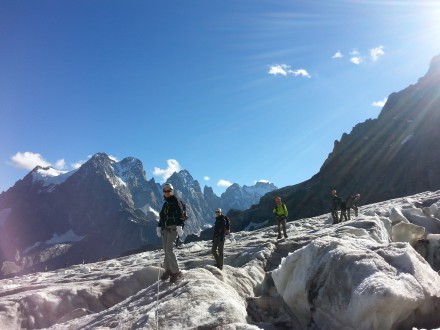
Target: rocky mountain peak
pixel 434 66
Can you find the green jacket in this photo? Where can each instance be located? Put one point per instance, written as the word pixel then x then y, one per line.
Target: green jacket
pixel 280 210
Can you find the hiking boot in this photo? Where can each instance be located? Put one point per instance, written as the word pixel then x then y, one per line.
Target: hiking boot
pixel 175 276
pixel 166 275
pixel 279 237
pixel 285 235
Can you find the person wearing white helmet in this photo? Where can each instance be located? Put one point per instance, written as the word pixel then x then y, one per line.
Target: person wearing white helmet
pixel 222 228
pixel 169 226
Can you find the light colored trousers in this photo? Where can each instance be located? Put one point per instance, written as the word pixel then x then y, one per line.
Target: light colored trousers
pixel 169 235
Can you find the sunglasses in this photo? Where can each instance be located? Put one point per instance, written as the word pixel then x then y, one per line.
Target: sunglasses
pixel 167 191
pixel 217 211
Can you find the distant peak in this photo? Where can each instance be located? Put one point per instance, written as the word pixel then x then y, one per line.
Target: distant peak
pixel 100 156
pixel 434 66
pixel 41 168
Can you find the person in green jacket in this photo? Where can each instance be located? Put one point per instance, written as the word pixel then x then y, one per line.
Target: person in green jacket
pixel 280 211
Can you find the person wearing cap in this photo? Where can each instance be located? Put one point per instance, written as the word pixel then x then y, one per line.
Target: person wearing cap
pixel 281 213
pixel 169 226
pixel 222 227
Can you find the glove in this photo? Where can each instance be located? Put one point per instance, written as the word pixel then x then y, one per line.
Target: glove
pixel 179 230
pixel 159 231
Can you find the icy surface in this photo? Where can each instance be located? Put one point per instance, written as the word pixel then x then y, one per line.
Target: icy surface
pixel 323 276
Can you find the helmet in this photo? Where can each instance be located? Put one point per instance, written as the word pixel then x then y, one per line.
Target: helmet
pixel 218 210
pixel 167 186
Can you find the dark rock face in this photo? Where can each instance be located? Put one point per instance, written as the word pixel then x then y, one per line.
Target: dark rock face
pixel 91 215
pixel 392 156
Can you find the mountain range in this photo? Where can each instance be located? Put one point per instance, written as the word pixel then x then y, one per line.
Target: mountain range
pixel 101 210
pixel 108 208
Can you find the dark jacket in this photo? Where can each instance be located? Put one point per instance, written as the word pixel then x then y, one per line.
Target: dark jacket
pixel 221 224
pixel 336 202
pixel 171 212
pixel 353 201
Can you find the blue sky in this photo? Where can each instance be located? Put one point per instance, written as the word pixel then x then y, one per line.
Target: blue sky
pixel 232 91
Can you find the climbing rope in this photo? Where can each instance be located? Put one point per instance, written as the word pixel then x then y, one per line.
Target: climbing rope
pixel 157 297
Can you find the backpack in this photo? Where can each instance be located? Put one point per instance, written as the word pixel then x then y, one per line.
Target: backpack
pixel 228 222
pixel 184 212
pixel 222 231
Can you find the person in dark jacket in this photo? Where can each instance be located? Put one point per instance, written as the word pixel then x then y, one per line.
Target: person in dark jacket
pixel 352 203
pixel 169 226
pixel 336 202
pixel 343 207
pixel 222 227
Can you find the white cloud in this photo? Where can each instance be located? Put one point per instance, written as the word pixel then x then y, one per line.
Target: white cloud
pixel 356 60
pixel 379 103
pixel 301 72
pixel 284 70
pixel 354 52
pixel 77 165
pixel 173 166
pixel 206 178
pixel 278 69
pixel 28 160
pixel 338 54
pixel 224 183
pixel 377 52
pixel 60 164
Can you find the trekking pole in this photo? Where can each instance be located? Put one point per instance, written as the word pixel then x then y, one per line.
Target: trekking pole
pixel 157 297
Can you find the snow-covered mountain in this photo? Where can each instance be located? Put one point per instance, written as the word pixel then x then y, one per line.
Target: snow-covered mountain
pixel 52 218
pixel 378 271
pixel 101 210
pixel 242 198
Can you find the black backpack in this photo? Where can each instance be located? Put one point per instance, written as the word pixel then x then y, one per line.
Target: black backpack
pixel 184 211
pixel 228 222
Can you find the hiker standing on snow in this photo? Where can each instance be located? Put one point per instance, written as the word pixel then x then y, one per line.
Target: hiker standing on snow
pixel 352 202
pixel 343 207
pixel 281 213
pixel 336 202
pixel 221 229
pixel 169 226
